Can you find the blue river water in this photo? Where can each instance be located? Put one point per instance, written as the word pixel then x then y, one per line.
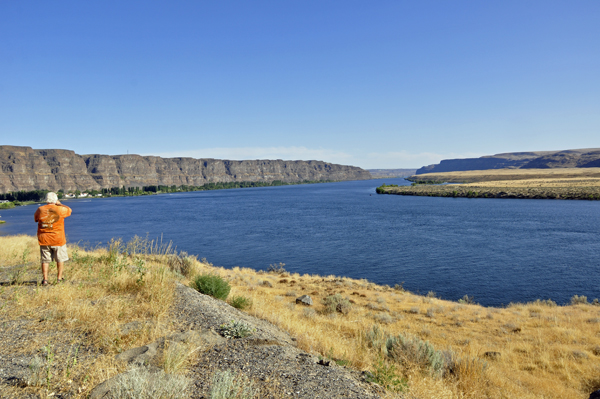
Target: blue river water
pixel 496 250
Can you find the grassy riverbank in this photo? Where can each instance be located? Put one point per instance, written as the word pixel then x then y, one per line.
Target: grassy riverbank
pixel 535 350
pixel 480 191
pixel 573 184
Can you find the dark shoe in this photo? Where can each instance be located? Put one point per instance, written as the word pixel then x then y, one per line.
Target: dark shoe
pixel 45 283
pixel 60 280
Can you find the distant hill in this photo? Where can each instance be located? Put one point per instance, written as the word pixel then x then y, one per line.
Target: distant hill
pixel 379 173
pixel 581 158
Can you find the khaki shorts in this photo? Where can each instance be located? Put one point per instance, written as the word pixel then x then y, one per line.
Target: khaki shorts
pixel 49 253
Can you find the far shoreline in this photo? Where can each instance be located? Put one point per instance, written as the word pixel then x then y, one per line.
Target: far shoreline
pixel 473 191
pixel 557 183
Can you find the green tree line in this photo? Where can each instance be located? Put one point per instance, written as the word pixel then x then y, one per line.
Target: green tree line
pixel 38 195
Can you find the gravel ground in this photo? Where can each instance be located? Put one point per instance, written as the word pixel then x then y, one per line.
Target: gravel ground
pixel 269 357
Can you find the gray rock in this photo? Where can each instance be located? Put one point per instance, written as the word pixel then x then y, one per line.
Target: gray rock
pixel 304 300
pixel 141 356
pixel 148 355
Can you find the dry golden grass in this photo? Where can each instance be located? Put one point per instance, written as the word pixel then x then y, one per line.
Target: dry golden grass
pixel 559 182
pixel 104 293
pixel 545 351
pixel 563 177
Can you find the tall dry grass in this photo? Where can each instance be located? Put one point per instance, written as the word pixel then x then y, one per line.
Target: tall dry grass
pixel 543 351
pixel 114 299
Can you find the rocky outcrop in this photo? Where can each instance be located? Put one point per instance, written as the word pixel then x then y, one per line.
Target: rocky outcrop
pixel 584 158
pixel 24 168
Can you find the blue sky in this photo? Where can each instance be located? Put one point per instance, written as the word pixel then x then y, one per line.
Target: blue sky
pixel 376 84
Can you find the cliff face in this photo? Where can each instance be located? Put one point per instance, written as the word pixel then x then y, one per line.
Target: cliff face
pixel 566 159
pixel 23 168
pixel 584 158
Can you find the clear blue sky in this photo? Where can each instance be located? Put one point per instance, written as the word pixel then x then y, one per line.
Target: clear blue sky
pixel 376 84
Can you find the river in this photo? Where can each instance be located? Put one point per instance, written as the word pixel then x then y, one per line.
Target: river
pixel 496 250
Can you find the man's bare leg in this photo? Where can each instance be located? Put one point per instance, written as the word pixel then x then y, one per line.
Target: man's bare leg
pixel 45 267
pixel 59 267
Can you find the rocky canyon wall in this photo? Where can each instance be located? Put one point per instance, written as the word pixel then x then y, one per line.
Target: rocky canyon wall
pixel 581 158
pixel 24 168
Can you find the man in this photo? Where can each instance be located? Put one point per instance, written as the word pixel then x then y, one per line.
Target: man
pixel 51 234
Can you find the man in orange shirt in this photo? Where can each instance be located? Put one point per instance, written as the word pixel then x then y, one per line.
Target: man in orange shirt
pixel 51 234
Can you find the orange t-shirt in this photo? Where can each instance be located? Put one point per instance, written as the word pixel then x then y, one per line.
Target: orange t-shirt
pixel 51 224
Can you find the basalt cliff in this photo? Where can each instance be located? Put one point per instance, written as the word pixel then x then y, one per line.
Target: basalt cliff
pixel 24 168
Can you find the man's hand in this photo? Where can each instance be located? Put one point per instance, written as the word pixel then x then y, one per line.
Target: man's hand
pixel 57 203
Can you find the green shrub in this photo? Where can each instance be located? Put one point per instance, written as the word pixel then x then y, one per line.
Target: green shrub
pixel 406 350
pixel 236 329
pixel 211 284
pixel 399 287
pixel 240 302
pixel 387 376
pixel 142 384
pixel 337 303
pixel 277 268
pixel 412 350
pixel 231 385
pixel 381 189
pixel 376 338
pixel 36 372
pixel 469 300
pixel 579 299
pixel 182 263
pixel 7 205
pixel 543 302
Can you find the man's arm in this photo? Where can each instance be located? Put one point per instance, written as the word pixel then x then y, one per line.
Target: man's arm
pixel 66 211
